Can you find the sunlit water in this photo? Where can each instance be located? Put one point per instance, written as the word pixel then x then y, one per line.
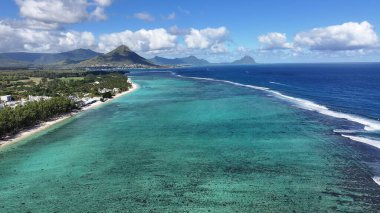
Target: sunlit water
pixel 188 145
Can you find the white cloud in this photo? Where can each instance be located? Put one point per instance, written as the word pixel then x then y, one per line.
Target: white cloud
pixel 274 40
pixel 32 40
pixel 31 24
pixel 209 38
pixel 348 36
pixel 218 48
pixel 99 14
pixel 174 30
pixel 171 16
pixel 58 11
pixel 76 40
pixel 141 40
pixel 103 3
pixel 145 16
pixel 242 51
pixel 62 11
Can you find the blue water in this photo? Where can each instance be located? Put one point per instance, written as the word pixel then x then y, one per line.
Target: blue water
pixel 348 93
pixel 192 145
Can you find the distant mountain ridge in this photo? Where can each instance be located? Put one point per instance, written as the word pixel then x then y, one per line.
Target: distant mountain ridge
pixel 25 58
pixel 122 55
pixel 190 60
pixel 194 61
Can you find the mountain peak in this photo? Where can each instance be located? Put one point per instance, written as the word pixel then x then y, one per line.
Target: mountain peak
pixel 122 48
pixel 245 60
pixel 190 60
pixel 247 57
pixel 120 56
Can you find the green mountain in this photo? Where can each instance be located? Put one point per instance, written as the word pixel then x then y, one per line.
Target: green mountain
pixel 191 60
pixel 73 56
pixel 118 57
pixel 245 60
pixel 6 62
pixel 29 59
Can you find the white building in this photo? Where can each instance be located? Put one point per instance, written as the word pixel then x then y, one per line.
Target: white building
pixel 6 98
pixel 87 101
pixel 104 90
pixel 116 90
pixel 38 98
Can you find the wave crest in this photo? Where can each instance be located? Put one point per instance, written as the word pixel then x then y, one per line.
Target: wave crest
pixel 369 125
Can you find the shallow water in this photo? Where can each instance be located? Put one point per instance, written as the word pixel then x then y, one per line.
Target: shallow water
pixel 186 145
pixel 343 91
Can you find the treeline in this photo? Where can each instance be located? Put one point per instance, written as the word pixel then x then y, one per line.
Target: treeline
pixel 89 84
pixel 21 75
pixel 12 120
pixel 61 84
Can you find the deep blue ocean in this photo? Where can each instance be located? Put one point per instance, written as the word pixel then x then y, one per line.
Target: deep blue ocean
pixel 348 93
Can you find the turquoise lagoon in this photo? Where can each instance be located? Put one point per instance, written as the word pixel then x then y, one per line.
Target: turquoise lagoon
pixel 181 145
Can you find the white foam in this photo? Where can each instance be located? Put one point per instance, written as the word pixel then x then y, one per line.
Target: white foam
pixel 273 82
pixel 377 180
pixel 368 141
pixel 225 81
pixel 345 131
pixel 369 125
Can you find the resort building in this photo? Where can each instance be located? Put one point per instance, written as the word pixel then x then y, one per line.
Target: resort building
pixel 6 98
pixel 38 98
pixel 104 90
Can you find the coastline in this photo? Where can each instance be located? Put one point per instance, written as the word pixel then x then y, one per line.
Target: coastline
pixel 47 124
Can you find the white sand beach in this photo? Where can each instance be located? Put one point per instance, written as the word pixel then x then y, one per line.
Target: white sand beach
pixel 45 125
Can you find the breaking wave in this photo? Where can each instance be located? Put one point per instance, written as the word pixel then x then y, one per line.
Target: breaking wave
pixel 368 124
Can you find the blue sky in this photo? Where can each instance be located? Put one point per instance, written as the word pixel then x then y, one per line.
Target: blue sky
pixel 271 30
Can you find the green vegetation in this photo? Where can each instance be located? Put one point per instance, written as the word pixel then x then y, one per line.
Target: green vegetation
pixel 63 86
pixel 118 57
pixel 21 84
pixel 71 78
pixel 15 119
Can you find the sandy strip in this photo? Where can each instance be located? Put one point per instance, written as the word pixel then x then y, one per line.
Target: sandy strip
pixel 45 125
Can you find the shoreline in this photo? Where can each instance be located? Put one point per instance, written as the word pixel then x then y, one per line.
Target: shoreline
pixel 47 124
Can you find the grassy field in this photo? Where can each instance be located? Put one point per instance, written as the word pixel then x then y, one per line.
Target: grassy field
pixel 35 80
pixel 71 78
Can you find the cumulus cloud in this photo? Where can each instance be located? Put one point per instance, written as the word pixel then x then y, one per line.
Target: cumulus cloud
pixel 31 24
pixel 347 36
pixel 98 14
pixel 41 29
pixel 70 11
pixel 209 38
pixel 141 40
pixel 274 40
pixel 32 40
pixel 145 16
pixel 74 39
pixel 178 31
pixel 62 11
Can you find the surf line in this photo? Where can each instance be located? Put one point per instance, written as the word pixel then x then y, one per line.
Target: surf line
pixel 369 125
